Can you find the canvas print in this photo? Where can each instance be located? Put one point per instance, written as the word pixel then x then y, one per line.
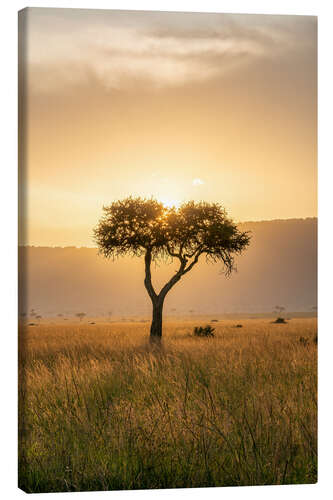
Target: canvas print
pixel 167 250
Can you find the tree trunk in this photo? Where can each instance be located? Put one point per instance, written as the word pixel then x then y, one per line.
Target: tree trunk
pixel 156 325
pixel 158 300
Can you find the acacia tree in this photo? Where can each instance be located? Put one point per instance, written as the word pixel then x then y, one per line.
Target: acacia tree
pixel 80 315
pixel 279 309
pixel 146 228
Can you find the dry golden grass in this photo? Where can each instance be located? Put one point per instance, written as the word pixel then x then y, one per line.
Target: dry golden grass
pixel 101 409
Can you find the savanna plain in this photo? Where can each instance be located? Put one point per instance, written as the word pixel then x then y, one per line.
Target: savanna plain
pixel 101 409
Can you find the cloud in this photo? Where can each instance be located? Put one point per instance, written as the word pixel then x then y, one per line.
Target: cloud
pixel 197 182
pixel 161 49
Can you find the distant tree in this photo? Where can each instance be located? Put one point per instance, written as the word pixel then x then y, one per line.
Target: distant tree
pixel 39 317
pixel 60 315
pixel 33 313
pixel 145 227
pixel 110 315
pixel 279 309
pixel 81 315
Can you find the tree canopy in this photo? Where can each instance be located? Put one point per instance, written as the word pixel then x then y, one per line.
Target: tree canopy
pixel 135 225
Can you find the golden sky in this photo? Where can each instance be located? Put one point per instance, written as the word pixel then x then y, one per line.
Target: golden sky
pixel 219 107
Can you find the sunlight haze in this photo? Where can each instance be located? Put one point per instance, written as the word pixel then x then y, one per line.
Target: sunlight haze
pixel 214 107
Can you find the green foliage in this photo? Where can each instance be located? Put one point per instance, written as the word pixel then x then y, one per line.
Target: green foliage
pixel 134 226
pixel 203 331
pixel 131 226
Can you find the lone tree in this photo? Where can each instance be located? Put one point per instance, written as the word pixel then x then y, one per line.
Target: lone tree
pixel 80 316
pixel 145 227
pixel 279 309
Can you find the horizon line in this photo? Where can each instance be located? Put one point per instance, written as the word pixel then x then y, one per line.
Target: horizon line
pixel 239 222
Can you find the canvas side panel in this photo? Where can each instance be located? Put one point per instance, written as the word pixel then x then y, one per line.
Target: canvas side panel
pixel 22 214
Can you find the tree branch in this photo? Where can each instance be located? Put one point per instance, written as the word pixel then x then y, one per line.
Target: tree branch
pixel 174 254
pixel 175 278
pixel 148 284
pixel 197 250
pixel 181 271
pixel 195 260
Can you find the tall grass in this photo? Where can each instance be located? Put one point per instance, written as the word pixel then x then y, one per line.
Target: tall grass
pixel 101 410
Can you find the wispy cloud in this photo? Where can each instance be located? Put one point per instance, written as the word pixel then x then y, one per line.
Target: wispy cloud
pixel 197 182
pixel 165 49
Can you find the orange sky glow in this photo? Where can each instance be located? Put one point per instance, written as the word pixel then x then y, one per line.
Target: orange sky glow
pixel 214 107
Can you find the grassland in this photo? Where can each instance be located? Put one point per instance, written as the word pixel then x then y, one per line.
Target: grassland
pixel 101 410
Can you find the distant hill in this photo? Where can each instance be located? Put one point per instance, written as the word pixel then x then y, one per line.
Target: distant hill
pixel 279 268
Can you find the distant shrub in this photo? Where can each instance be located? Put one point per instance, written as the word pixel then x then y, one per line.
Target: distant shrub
pixel 239 326
pixel 304 341
pixel 214 320
pixel 204 331
pixel 280 321
pixel 315 339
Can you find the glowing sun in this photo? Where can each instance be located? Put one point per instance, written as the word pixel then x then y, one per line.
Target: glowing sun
pixel 170 202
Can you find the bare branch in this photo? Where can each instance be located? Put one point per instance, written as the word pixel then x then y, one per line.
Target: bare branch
pixel 196 258
pixel 175 278
pixel 173 254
